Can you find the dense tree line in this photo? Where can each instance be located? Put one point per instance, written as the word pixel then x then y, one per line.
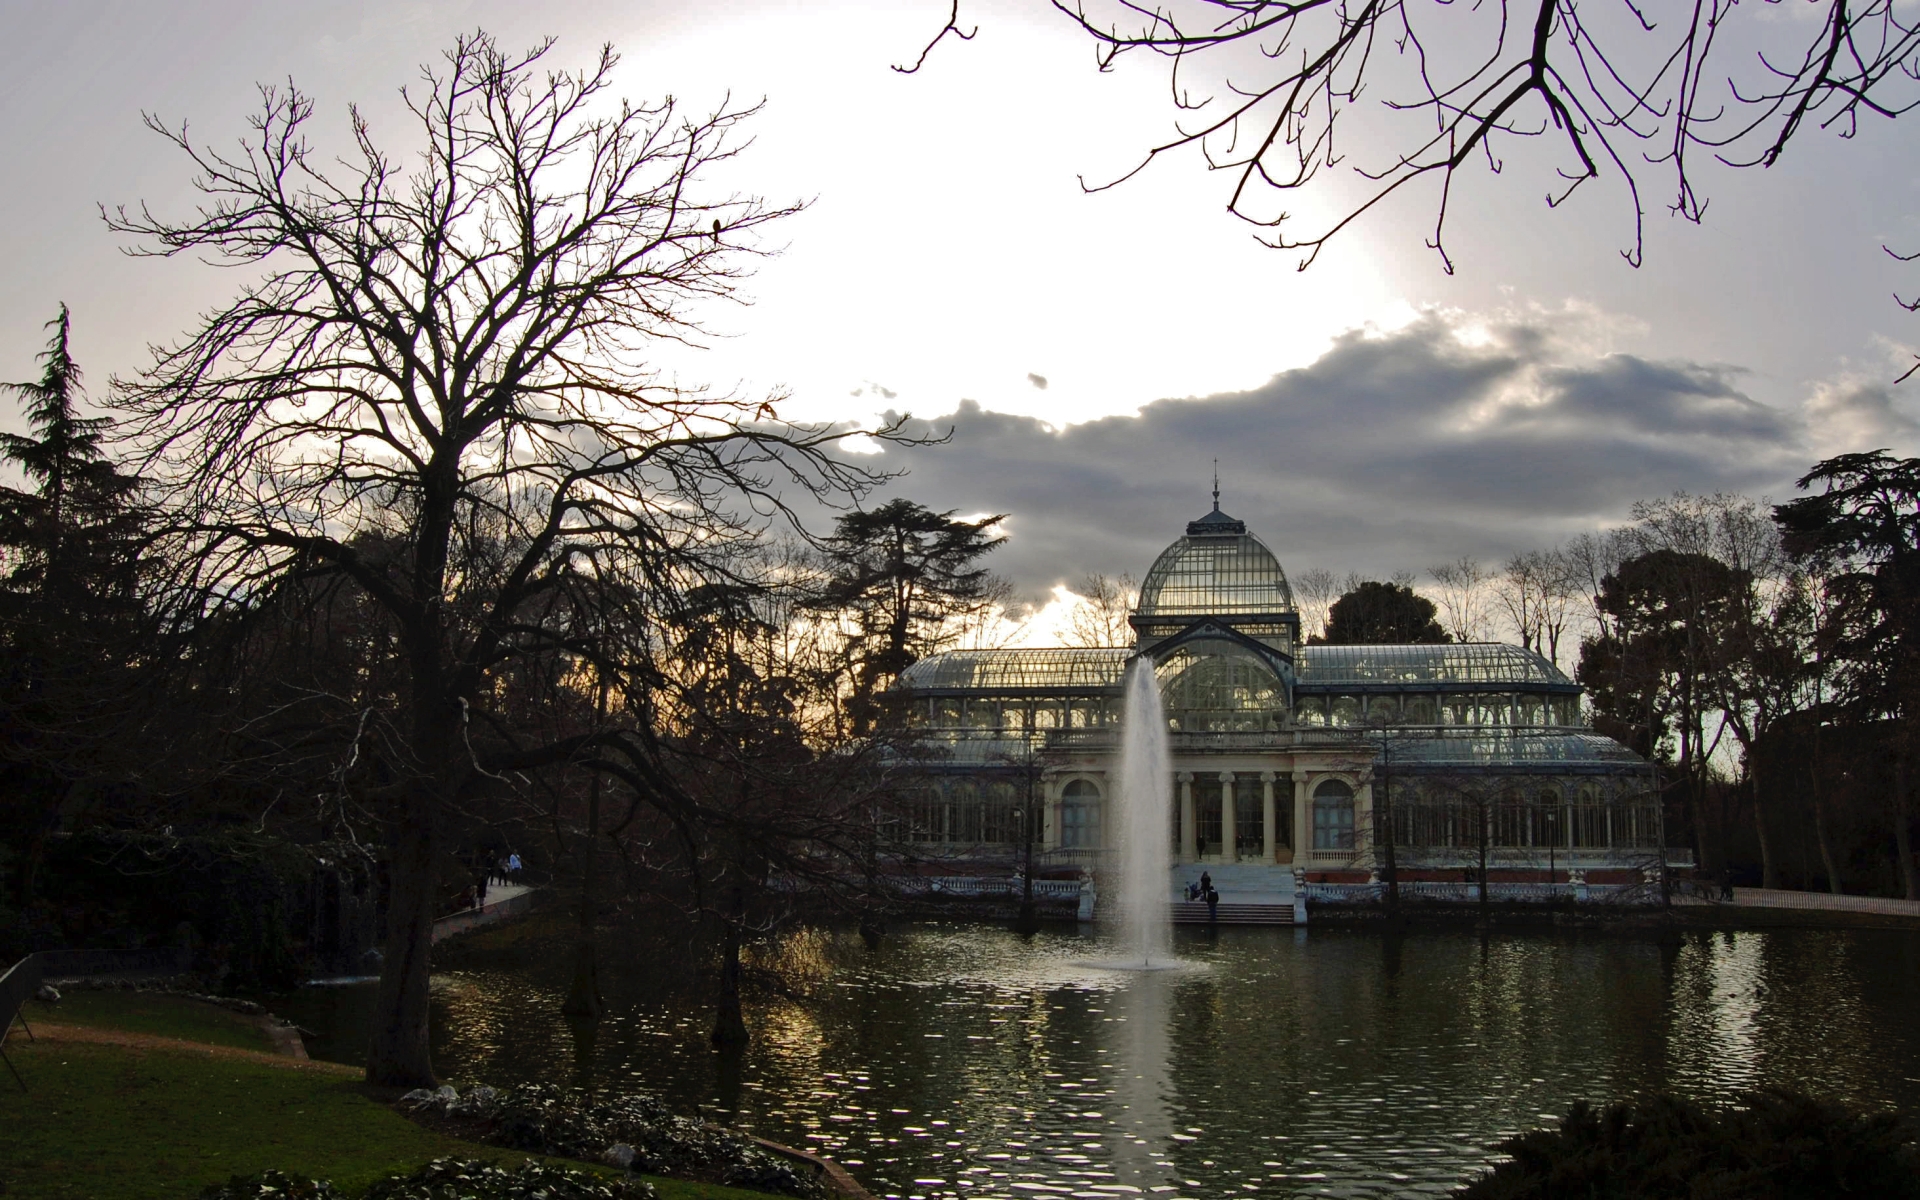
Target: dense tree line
pixel 1759 656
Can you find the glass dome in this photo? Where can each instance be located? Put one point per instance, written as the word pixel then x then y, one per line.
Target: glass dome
pixel 1218 569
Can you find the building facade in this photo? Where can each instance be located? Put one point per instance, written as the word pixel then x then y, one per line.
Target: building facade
pixel 1445 761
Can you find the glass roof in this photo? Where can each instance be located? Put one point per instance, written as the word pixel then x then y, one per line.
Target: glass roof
pixel 1218 569
pixel 1048 670
pixel 1321 667
pixel 1491 747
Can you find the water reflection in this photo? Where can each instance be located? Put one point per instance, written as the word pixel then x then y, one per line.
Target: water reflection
pixel 965 1061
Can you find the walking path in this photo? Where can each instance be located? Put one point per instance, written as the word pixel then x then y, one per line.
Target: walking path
pixel 503 900
pixel 145 1041
pixel 1781 898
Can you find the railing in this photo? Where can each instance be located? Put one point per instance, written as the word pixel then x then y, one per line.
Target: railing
pixel 20 982
pixel 982 885
pixel 1497 893
pixel 24 978
pixel 67 964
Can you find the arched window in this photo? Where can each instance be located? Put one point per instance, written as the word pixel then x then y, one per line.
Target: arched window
pixel 1080 815
pixel 1333 816
pixel 1216 686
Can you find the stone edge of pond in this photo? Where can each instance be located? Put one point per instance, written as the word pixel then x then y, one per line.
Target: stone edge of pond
pixel 841 1180
pixel 1650 919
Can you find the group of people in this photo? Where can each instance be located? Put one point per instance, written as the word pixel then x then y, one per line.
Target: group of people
pixel 1204 891
pixel 504 870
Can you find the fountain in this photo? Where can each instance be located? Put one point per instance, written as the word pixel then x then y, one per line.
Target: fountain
pixel 1145 803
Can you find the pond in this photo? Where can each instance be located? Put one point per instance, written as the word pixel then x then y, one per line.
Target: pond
pixel 964 1060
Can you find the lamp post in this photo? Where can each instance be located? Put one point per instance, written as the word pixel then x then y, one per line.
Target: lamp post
pixel 1029 921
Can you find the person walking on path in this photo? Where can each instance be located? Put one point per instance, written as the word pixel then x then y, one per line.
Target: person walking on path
pixel 513 867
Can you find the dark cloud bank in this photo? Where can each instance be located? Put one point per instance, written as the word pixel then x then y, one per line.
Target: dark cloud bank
pixel 1393 451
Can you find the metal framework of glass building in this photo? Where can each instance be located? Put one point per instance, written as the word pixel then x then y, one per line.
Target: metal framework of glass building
pixel 1286 755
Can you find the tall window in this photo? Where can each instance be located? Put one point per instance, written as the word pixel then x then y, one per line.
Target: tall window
pixel 1333 816
pixel 1206 812
pixel 1080 815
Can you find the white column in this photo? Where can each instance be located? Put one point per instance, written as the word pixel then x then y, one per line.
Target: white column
pixel 1363 831
pixel 1268 850
pixel 1189 836
pixel 1302 819
pixel 1050 807
pixel 1229 843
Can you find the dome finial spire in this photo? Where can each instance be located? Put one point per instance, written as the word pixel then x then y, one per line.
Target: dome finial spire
pixel 1216 485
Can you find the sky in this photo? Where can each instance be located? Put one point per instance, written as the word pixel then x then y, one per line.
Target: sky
pixel 1092 355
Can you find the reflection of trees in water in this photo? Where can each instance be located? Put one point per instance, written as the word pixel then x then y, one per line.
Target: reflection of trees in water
pixel 1325 1049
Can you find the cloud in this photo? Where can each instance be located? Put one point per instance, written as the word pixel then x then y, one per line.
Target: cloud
pixel 1858 414
pixel 1039 381
pixel 1394 450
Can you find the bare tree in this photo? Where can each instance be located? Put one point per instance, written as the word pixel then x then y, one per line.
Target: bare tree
pixel 1517 590
pixel 1587 560
pixel 1539 590
pixel 1620 92
pixel 1759 674
pixel 1560 599
pixel 1315 590
pixel 438 386
pixel 1100 618
pixel 1462 587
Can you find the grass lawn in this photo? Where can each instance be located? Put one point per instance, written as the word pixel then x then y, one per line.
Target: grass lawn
pixel 114 1121
pixel 150 1013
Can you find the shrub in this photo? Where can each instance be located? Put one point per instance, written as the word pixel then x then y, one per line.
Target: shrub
pixel 472 1179
pixel 1770 1145
pixel 270 1185
pixel 570 1123
pixel 445 1179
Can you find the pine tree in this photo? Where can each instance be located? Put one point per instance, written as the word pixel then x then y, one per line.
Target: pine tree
pixel 67 601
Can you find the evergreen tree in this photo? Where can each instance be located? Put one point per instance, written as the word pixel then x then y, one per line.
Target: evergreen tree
pixel 902 571
pixel 1862 530
pixel 1373 612
pixel 68 600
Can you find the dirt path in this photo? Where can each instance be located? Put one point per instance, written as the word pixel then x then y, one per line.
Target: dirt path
pixel 143 1041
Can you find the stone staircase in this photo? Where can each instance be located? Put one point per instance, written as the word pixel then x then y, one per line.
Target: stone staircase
pixel 1250 894
pixel 1195 913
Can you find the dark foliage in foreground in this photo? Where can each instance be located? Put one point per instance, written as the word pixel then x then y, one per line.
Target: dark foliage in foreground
pixel 570 1123
pixel 445 1179
pixel 263 1184
pixel 1775 1145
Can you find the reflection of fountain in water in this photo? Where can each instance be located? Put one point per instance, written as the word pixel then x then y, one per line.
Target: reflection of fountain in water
pixel 1142 1052
pixel 1145 800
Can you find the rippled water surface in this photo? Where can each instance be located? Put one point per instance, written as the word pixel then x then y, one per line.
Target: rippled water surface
pixel 967 1061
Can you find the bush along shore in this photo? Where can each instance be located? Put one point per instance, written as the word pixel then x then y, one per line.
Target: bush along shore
pixel 445 1179
pixel 633 1131
pixel 1770 1144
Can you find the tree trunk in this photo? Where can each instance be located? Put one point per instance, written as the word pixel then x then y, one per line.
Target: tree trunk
pixel 397 1054
pixel 1392 865
pixel 1769 873
pixel 34 853
pixel 583 998
pixel 1902 829
pixel 729 1025
pixel 1820 831
pixel 1486 835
